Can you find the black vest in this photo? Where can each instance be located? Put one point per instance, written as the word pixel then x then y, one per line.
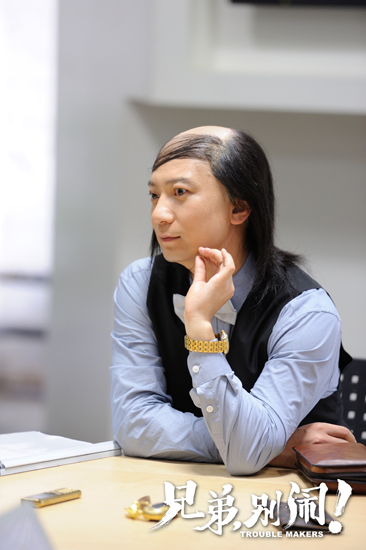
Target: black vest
pixel 248 342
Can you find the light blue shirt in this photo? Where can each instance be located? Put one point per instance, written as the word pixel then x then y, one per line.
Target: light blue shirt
pixel 243 430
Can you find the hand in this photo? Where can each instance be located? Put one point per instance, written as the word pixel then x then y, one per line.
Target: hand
pixel 212 287
pixel 318 432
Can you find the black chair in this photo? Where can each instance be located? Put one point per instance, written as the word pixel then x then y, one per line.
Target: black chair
pixel 353 392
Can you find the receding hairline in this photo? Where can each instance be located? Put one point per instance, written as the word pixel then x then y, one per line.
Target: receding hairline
pixel 220 132
pixel 206 143
pixel 198 140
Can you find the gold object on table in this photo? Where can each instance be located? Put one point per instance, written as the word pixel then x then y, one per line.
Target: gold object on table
pixel 143 509
pixel 51 497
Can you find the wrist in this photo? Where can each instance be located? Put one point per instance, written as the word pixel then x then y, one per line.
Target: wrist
pixel 200 331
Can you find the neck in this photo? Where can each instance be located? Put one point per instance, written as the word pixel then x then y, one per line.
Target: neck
pixel 240 257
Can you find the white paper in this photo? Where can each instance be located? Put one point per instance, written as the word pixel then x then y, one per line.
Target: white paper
pixel 23 451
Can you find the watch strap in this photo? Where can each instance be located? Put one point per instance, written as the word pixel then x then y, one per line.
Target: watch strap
pixel 221 346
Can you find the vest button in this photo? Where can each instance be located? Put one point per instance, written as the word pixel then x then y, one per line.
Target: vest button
pixel 209 409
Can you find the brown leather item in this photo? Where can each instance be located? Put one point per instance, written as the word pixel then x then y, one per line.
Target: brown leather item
pixel 327 462
pixel 300 524
pixel 358 485
pixel 325 458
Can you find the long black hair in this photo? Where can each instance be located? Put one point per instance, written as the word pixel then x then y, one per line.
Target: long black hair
pixel 241 166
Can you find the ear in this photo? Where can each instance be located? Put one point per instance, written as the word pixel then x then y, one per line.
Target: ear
pixel 240 212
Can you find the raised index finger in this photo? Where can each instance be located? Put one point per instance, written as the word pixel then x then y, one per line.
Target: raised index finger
pixel 228 260
pixel 211 254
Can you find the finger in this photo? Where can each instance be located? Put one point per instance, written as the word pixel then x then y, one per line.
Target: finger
pixel 223 284
pixel 346 437
pixel 228 259
pixel 220 258
pixel 329 439
pixel 211 254
pixel 339 432
pixel 227 267
pixel 226 270
pixel 199 270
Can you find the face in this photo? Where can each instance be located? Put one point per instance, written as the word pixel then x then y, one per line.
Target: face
pixel 190 208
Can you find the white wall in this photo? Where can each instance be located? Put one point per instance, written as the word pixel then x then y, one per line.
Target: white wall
pixel 223 55
pixel 102 45
pixel 27 129
pixel 113 117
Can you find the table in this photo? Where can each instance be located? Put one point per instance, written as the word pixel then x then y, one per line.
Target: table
pixel 97 520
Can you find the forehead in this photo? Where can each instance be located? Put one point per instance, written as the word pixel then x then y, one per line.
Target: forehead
pixel 190 171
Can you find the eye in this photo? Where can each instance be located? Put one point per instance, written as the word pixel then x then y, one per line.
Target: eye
pixel 180 191
pixel 153 196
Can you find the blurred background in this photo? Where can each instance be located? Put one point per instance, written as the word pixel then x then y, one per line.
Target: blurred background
pixel 90 90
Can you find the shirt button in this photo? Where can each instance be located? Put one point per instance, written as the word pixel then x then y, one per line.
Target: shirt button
pixel 195 369
pixel 209 409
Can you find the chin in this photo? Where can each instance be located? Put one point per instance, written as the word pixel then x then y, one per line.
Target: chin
pixel 171 257
pixel 178 259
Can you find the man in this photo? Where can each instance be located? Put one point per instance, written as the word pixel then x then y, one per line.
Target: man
pixel 213 218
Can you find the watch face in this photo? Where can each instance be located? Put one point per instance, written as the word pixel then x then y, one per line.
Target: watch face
pixel 225 341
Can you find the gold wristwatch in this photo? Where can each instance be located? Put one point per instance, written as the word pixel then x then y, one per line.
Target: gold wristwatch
pixel 209 347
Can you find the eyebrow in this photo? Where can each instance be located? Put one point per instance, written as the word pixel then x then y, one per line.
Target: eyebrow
pixel 173 181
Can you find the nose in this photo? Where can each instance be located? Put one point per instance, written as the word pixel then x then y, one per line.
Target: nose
pixel 161 212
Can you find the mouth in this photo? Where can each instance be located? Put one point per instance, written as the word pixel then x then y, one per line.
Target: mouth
pixel 167 238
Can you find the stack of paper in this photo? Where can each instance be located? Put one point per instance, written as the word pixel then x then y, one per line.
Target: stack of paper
pixel 24 451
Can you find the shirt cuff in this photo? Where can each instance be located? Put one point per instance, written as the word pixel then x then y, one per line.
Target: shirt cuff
pixel 204 367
